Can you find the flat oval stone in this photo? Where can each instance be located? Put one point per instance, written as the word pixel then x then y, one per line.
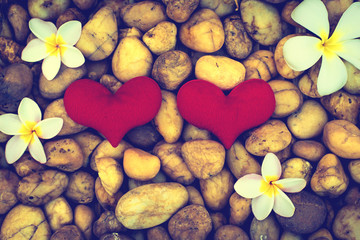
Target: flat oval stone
pixel 150 205
pixel 310 213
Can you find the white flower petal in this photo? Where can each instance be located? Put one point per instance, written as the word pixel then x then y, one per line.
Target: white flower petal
pixel 291 184
pixel 262 205
pixel 36 149
pixel 348 26
pixel 350 51
pixel 251 186
pixel 16 147
pixel 72 57
pixel 34 51
pixel 29 113
pixel 271 167
pixel 69 33
pixel 42 29
pixel 10 124
pixel 313 15
pixel 48 128
pixel 332 76
pixel 302 52
pixel 51 65
pixel 282 204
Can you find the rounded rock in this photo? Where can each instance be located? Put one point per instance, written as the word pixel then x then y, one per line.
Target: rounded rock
pixel 272 136
pixel 23 217
pixel 204 158
pixel 64 154
pixel 99 35
pixel 329 178
pixel 288 98
pixel 307 206
pixel 346 223
pixel 140 165
pixel 225 73
pixel 342 138
pixel 191 222
pixel 56 88
pixel 15 83
pixel 203 32
pixel 131 59
pixel 308 121
pixel 150 205
pixel 57 109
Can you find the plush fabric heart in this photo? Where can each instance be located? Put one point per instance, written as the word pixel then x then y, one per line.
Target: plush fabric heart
pixel 91 104
pixel 205 106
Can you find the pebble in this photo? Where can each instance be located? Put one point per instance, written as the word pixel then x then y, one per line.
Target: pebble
pixel 329 178
pixel 226 73
pixel 99 35
pixel 25 222
pixel 150 205
pixel 64 154
pixel 204 158
pixel 57 109
pixel 140 165
pixel 307 206
pixel 56 88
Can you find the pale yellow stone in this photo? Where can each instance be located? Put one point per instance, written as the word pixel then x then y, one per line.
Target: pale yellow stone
pixel 140 165
pixel 217 190
pixel 110 174
pixel 329 178
pixel 59 213
pixel 84 217
pixel 131 59
pixel 168 120
pixel 151 204
pixel 99 35
pixel 225 72
pixel 203 32
pixel 25 222
pixel 308 121
pixel 272 136
pixel 204 158
pixel 161 38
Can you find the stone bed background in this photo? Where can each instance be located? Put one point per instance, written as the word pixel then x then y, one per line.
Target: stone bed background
pixel 67 192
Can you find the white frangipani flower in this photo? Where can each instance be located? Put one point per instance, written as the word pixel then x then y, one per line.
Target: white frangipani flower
pixel 267 191
pixel 28 128
pixel 302 52
pixel 54 46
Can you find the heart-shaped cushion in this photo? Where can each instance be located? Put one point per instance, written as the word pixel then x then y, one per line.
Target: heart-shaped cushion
pixel 91 104
pixel 205 106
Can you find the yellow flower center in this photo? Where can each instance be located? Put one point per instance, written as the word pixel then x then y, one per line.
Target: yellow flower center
pixel 55 44
pixel 329 46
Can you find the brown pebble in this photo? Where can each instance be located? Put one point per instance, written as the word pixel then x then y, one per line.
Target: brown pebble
pixel 68 232
pixel 310 213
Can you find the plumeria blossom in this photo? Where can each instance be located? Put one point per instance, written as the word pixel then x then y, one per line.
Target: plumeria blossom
pixel 54 46
pixel 267 191
pixel 28 128
pixel 302 52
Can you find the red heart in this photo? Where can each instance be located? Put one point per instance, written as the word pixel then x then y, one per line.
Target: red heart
pixel 91 104
pixel 204 105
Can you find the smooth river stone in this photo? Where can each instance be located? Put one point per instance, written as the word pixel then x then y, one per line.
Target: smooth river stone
pixel 99 36
pixel 150 205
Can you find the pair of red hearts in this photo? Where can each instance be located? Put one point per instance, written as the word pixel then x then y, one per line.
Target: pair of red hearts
pixel 201 103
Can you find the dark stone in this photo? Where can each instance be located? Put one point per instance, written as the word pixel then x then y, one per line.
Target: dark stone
pixel 310 213
pixel 144 136
pixel 16 82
